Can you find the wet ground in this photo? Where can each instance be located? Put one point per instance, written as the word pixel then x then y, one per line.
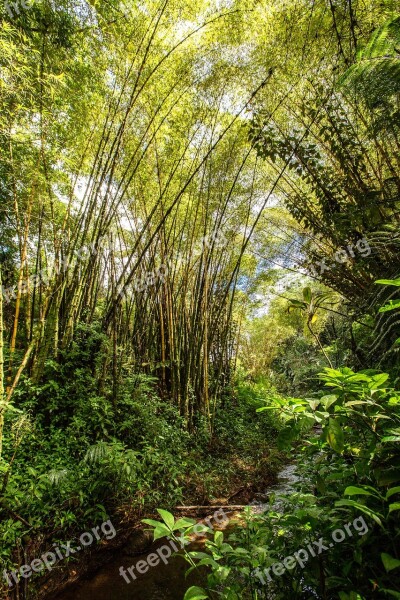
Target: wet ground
pixel 162 581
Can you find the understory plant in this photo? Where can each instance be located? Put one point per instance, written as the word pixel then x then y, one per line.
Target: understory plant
pixel 345 506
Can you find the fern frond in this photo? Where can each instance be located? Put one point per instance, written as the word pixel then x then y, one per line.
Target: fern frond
pixel 384 41
pixel 376 75
pixel 98 452
pixel 55 477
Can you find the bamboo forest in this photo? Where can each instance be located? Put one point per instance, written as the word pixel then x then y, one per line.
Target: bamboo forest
pixel 199 299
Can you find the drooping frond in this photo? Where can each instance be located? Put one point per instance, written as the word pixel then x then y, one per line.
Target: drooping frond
pixel 385 41
pixel 376 74
pixel 97 452
pixel 55 477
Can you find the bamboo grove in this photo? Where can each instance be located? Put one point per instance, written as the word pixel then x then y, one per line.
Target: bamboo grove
pixel 127 237
pixel 134 191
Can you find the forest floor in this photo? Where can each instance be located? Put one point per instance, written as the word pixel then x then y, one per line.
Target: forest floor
pixel 246 481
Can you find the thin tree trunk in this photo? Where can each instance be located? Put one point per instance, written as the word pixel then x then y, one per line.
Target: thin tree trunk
pixel 2 401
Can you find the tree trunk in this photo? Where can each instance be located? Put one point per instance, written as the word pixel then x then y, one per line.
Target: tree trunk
pixel 2 401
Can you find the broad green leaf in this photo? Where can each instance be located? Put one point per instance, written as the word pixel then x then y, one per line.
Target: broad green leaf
pixel 198 555
pixel 356 402
pixel 209 562
pixel 394 506
pixel 352 503
pixel 151 522
pixel 392 593
pixel 389 562
pixel 392 491
pixel 395 282
pixel 167 517
pixel 314 403
pixel 161 531
pixel 357 491
pixel 200 528
pixel 195 593
pixel 328 400
pixel 380 379
pixel 393 305
pixel 335 436
pixel 241 551
pixel 218 538
pixel 321 415
pixel 183 523
pixel 297 304
pixel 223 572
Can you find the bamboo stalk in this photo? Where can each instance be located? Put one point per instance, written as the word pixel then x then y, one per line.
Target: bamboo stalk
pixel 2 399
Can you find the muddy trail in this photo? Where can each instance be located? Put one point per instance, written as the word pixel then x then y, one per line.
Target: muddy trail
pixel 167 579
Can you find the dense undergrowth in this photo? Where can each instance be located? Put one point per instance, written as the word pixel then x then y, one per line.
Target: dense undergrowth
pixel 336 535
pixel 73 458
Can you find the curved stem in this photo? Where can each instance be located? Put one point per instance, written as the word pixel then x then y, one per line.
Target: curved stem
pixel 319 344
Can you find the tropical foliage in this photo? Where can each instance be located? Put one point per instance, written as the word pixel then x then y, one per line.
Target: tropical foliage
pixel 199 219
